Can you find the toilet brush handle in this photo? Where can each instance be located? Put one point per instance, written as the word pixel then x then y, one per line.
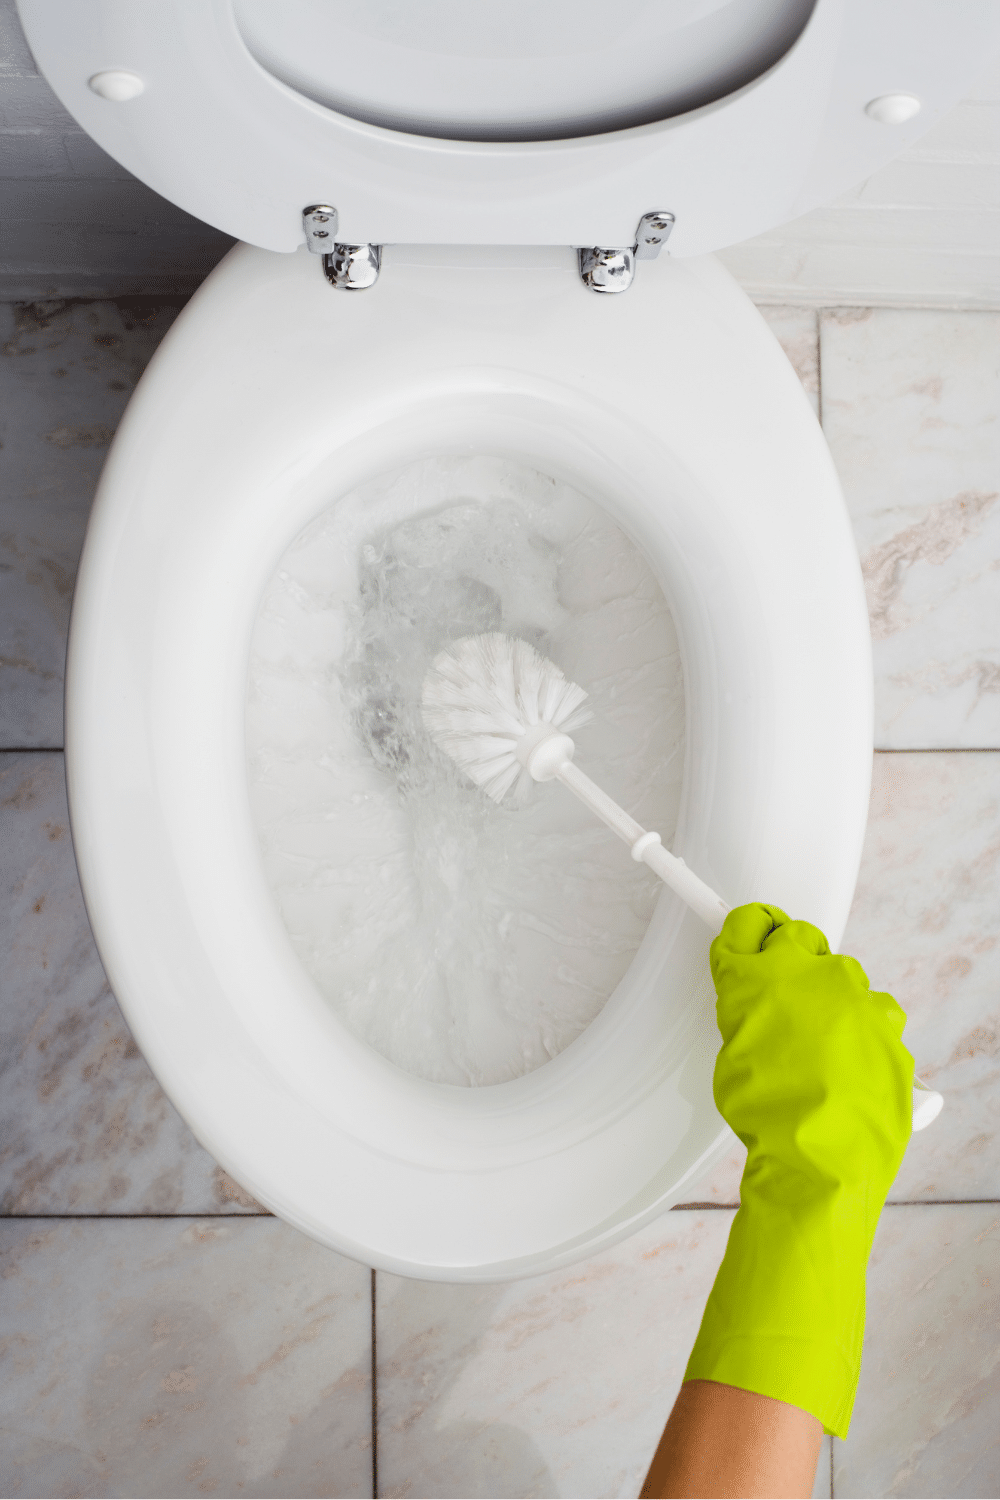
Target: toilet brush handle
pixel 703 901
pixel 647 847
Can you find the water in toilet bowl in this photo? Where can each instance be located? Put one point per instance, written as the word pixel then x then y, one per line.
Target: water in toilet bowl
pixel 444 930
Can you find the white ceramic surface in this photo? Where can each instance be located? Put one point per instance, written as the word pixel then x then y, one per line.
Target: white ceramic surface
pixel 216 133
pixel 273 395
pixel 520 73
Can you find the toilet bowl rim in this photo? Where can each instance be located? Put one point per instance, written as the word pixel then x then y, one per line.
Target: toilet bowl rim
pixel 292 1209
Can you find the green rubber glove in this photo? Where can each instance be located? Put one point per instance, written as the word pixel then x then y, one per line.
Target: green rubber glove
pixel 815 1081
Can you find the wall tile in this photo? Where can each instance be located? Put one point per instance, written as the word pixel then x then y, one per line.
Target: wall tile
pixel 911 409
pixel 925 925
pixel 84 1126
pixel 559 1385
pixel 159 1357
pixel 66 373
pixel 925 1422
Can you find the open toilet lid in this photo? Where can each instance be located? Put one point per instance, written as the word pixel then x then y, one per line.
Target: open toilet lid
pixel 763 104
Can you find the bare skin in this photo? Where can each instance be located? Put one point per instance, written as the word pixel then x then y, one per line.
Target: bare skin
pixel 722 1441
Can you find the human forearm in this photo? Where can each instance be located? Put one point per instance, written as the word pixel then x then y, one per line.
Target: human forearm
pixel 723 1441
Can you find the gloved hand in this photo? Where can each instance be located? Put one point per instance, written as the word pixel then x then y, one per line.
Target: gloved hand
pixel 815 1081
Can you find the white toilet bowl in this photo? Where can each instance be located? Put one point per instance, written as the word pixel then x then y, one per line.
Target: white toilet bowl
pixel 273 395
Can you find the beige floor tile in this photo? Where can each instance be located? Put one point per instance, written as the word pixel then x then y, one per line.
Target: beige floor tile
pixel 555 1386
pixel 66 373
pixel 925 1422
pixel 182 1357
pixel 559 1385
pixel 797 331
pixel 84 1126
pixel 911 410
pixel 926 926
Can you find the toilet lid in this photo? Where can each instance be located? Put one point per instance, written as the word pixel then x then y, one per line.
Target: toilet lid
pixel 520 71
pixel 443 122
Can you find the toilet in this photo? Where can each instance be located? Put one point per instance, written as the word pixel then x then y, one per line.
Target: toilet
pixel 401 294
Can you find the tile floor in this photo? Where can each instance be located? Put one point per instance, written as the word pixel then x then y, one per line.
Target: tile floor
pixel 163 1337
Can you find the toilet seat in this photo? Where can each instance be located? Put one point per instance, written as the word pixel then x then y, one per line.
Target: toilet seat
pixel 273 394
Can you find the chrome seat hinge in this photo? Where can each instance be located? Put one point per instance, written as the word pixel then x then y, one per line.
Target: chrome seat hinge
pixel 613 269
pixel 353 267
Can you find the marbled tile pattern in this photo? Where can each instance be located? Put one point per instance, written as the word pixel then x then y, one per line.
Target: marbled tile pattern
pixel 797 331
pixel 925 1422
pixel 231 1355
pixel 926 926
pixel 911 409
pixel 84 1126
pixel 559 1385
pixel 66 373
pixel 182 1357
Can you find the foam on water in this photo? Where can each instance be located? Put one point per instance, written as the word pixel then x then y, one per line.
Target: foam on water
pixel 468 943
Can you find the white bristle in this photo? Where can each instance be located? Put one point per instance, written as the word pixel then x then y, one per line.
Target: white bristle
pixel 480 696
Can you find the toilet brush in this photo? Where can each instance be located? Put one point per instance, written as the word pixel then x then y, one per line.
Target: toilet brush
pixel 503 713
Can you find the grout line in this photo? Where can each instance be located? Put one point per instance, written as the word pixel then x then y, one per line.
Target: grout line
pixel 878 749
pixel 890 1203
pixel 27 1218
pixel 694 1207
pixel 937 1202
pixel 374 1392
pixel 819 367
pixel 937 749
pixel 676 1207
pixel 831 1468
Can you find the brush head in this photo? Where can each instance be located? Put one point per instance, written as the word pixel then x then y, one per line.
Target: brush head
pixel 483 694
